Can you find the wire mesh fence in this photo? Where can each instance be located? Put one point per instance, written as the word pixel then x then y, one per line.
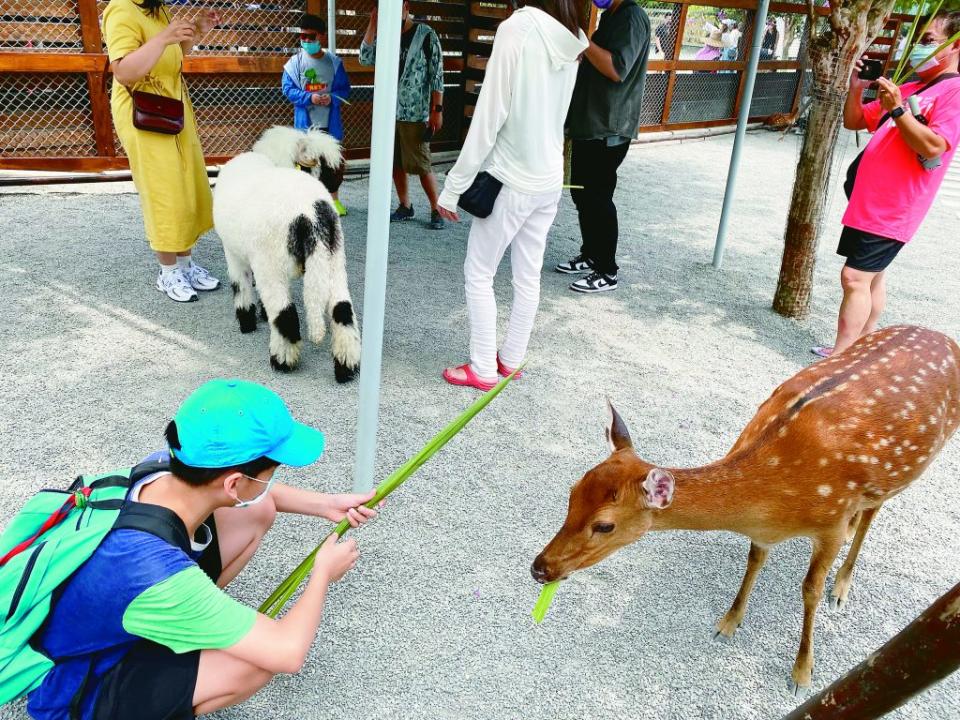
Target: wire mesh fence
pixel 46 115
pixel 40 26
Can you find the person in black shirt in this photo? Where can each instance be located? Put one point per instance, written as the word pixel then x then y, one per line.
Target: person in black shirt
pixel 768 47
pixel 604 117
pixel 665 37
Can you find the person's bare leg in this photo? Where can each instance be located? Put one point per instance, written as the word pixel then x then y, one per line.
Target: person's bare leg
pixel 855 308
pixel 224 680
pixel 429 183
pixel 403 188
pixel 239 533
pixel 167 258
pixel 878 297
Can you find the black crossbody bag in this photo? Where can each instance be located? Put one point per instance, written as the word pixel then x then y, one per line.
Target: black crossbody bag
pixel 851 178
pixel 481 196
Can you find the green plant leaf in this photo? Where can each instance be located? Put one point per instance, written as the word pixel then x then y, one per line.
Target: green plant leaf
pixel 929 57
pixel 275 603
pixel 543 602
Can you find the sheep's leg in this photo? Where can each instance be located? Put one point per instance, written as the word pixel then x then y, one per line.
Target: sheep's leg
pixel 345 345
pixel 316 290
pixel 244 296
pixel 285 342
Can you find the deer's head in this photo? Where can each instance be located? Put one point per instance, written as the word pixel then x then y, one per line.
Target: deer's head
pixel 611 506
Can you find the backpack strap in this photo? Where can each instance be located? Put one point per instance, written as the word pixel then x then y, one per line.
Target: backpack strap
pixel 156 520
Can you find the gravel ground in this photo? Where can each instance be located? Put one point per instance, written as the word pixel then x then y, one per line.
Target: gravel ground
pixel 435 621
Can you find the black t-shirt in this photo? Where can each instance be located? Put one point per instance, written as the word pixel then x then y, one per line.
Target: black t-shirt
pixel 666 41
pixel 405 39
pixel 600 107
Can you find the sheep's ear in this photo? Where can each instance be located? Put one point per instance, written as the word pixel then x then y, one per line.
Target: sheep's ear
pixel 303 158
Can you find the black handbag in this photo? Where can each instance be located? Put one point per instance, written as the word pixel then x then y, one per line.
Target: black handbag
pixel 481 196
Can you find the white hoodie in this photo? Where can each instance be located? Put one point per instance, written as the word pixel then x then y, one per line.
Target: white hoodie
pixel 518 123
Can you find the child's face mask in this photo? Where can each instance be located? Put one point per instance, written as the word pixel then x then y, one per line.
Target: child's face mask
pixel 312 47
pixel 259 498
pixel 603 4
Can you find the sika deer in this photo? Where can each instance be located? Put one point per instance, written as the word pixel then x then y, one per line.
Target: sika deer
pixel 820 457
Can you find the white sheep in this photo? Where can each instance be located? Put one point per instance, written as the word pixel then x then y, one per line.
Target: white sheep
pixel 278 223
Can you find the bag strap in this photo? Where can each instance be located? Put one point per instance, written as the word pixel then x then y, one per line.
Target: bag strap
pixel 156 520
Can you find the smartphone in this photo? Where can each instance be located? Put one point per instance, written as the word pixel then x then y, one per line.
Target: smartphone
pixel 871 70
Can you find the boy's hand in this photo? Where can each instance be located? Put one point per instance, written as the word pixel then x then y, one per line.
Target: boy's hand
pixel 336 559
pixel 315 98
pixel 350 506
pixel 324 99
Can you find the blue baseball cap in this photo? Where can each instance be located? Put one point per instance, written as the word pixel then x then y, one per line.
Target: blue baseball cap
pixel 225 423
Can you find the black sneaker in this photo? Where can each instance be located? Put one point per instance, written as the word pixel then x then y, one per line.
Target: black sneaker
pixel 402 213
pixel 574 267
pixel 595 283
pixel 436 221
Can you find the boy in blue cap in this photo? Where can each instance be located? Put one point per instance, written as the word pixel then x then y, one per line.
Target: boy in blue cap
pixel 143 630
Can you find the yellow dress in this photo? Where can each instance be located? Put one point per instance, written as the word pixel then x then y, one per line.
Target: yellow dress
pixel 168 170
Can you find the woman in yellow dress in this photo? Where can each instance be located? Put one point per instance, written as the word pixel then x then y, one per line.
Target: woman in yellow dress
pixel 146 48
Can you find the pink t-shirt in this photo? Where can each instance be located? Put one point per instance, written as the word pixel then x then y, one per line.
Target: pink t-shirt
pixel 893 191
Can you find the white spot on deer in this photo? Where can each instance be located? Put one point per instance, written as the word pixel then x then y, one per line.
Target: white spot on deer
pixel 887 466
pixel 910 406
pixel 838 456
pixel 851 485
pixel 921 460
pixel 864 459
pixel 913 448
pixel 854 377
pixel 874 460
pixel 878 392
pixel 889 428
pixel 884 360
pixel 893 388
pixel 898 451
pixel 782 432
pixel 906 468
pixel 897 378
pixel 905 443
pixel 914 389
pixel 824 490
pixel 921 428
pixel 774 461
pixel 851 458
pixel 933 420
pixel 894 474
pixel 922 372
pixel 824 462
pixel 870 402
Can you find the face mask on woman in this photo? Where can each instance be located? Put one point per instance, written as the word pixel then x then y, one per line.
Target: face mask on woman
pixel 312 47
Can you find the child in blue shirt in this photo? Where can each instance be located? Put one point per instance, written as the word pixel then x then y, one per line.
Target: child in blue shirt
pixel 316 82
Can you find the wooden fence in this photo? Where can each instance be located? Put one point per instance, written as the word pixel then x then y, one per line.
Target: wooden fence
pixel 54 101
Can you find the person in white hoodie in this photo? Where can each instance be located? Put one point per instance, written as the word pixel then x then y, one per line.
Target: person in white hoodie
pixel 517 136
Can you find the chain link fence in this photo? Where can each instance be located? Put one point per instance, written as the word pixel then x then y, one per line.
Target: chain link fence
pixel 40 26
pixel 46 115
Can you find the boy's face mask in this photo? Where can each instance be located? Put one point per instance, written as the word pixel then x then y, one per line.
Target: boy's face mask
pixel 312 47
pixel 259 498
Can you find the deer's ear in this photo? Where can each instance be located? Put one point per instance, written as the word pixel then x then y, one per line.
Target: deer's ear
pixel 658 488
pixel 617 434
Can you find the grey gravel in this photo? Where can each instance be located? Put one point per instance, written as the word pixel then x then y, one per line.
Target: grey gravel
pixel 435 621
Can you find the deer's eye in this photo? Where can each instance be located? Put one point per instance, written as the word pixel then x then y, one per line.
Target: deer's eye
pixel 603 527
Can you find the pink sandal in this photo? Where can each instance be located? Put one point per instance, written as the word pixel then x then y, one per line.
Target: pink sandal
pixel 471 379
pixel 506 371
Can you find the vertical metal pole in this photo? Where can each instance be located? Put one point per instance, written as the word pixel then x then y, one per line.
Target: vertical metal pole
pixel 761 20
pixel 332 26
pixel 378 238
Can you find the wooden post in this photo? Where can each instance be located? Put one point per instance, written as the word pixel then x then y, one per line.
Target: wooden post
pixel 679 23
pixel 96 81
pixel 924 653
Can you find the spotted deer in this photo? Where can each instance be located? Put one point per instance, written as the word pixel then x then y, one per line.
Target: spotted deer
pixel 818 460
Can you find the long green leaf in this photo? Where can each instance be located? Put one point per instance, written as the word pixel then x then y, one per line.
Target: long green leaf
pixel 273 604
pixel 908 47
pixel 543 602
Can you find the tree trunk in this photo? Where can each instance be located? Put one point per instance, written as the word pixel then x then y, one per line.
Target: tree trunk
pixel 832 55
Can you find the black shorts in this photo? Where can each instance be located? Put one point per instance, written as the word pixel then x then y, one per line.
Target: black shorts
pixel 866 251
pixel 152 682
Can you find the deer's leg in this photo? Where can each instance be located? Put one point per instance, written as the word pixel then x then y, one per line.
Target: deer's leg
pixel 734 618
pixel 825 551
pixel 854 524
pixel 841 584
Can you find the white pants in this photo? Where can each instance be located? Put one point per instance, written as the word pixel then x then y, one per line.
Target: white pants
pixel 523 221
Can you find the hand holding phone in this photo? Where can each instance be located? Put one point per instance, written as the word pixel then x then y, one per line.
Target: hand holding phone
pixel 870 69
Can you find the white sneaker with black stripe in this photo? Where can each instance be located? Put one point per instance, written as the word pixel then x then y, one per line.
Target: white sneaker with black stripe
pixel 574 267
pixel 595 283
pixel 176 286
pixel 200 279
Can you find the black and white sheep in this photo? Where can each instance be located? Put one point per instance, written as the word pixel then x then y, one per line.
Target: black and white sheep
pixel 278 223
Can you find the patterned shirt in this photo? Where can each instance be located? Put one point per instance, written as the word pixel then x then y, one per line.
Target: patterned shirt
pixel 421 74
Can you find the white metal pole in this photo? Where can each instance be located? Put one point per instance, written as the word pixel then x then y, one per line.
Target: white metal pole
pixel 378 238
pixel 759 25
pixel 332 26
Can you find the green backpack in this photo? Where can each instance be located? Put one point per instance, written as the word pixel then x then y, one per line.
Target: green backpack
pixel 45 543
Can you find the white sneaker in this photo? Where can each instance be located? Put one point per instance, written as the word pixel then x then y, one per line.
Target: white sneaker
pixel 176 286
pixel 200 279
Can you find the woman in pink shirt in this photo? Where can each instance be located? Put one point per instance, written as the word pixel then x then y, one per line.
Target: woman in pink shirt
pixel 898 175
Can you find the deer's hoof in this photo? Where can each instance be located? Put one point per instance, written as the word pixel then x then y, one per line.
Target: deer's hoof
pixel 837 603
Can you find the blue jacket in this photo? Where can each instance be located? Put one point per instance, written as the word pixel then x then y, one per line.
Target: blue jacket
pixel 340 90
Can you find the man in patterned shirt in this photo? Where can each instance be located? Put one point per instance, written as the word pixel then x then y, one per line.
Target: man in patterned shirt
pixel 419 109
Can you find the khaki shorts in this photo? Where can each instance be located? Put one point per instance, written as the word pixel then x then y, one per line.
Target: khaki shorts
pixel 410 152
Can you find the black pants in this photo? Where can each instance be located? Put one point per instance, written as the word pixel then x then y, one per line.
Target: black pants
pixel 594 166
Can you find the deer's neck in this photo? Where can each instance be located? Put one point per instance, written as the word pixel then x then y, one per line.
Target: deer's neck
pixel 720 496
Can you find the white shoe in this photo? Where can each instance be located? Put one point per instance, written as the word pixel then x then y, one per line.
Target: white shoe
pixel 200 279
pixel 176 286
